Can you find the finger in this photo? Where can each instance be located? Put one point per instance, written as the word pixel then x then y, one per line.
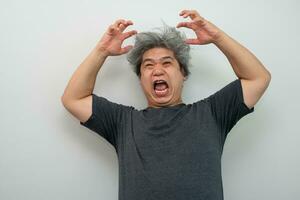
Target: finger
pixel 118 22
pixel 185 24
pixel 128 34
pixel 193 14
pixel 186 13
pixel 183 12
pixel 189 14
pixel 123 26
pixel 129 22
pixel 126 49
pixel 124 22
pixel 119 25
pixel 111 29
pixel 192 41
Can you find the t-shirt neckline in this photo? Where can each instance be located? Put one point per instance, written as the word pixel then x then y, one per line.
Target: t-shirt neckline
pixel 164 107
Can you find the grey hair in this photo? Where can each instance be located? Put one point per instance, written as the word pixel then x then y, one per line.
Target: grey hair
pixel 168 38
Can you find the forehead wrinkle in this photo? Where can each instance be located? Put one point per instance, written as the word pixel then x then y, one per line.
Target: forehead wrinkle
pixel 160 59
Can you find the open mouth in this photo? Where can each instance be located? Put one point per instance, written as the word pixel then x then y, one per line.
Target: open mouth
pixel 160 88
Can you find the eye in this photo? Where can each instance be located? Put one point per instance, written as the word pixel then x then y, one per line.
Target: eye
pixel 167 63
pixel 148 66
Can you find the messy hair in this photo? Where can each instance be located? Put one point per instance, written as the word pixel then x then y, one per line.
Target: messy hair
pixel 168 38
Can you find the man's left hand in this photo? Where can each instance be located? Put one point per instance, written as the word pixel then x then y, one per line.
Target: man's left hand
pixel 206 32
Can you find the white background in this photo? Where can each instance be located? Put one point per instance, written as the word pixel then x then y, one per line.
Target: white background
pixel 45 154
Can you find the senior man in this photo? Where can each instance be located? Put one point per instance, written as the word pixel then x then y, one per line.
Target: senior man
pixel 169 150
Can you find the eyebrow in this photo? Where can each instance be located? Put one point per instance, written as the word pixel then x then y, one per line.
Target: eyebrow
pixel 162 58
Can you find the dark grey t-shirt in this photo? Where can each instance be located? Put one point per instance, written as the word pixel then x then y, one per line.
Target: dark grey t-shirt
pixel 170 153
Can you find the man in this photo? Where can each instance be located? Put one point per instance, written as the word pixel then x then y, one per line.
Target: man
pixel 169 150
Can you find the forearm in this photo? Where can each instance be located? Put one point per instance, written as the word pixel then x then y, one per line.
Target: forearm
pixel 83 80
pixel 243 62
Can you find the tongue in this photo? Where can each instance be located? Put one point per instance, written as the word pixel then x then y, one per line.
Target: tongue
pixel 160 86
pixel 161 90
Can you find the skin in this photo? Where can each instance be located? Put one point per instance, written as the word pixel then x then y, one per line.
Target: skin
pixel 161 64
pixel 255 78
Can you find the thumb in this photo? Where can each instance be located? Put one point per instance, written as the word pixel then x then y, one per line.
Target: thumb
pixel 192 41
pixel 126 49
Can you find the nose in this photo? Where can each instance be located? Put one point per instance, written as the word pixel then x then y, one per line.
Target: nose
pixel 158 70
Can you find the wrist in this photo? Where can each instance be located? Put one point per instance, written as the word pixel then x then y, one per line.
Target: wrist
pixel 219 38
pixel 101 51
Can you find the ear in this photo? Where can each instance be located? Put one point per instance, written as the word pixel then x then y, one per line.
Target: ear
pixel 182 72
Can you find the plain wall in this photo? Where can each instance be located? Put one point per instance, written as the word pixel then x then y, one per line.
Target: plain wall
pixel 46 154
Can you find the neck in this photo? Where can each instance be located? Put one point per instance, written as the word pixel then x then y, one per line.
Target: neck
pixel 165 105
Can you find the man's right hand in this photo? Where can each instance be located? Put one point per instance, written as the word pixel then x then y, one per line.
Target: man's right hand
pixel 111 42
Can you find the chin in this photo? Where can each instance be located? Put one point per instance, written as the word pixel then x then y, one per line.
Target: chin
pixel 161 101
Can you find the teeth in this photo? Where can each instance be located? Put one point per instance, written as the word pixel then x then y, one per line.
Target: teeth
pixel 159 81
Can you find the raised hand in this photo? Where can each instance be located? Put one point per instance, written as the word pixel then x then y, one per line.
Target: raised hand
pixel 111 41
pixel 205 31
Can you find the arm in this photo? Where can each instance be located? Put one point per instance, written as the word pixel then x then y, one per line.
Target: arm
pixel 254 76
pixel 77 97
pixel 83 80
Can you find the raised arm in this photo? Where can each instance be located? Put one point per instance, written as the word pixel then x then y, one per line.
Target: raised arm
pixel 255 78
pixel 77 97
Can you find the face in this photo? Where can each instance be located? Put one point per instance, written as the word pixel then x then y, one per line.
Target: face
pixel 161 78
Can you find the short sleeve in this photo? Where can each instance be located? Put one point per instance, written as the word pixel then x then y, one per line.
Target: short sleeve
pixel 105 119
pixel 228 106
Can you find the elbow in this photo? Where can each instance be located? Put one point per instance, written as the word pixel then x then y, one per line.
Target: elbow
pixel 264 78
pixel 268 77
pixel 63 100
